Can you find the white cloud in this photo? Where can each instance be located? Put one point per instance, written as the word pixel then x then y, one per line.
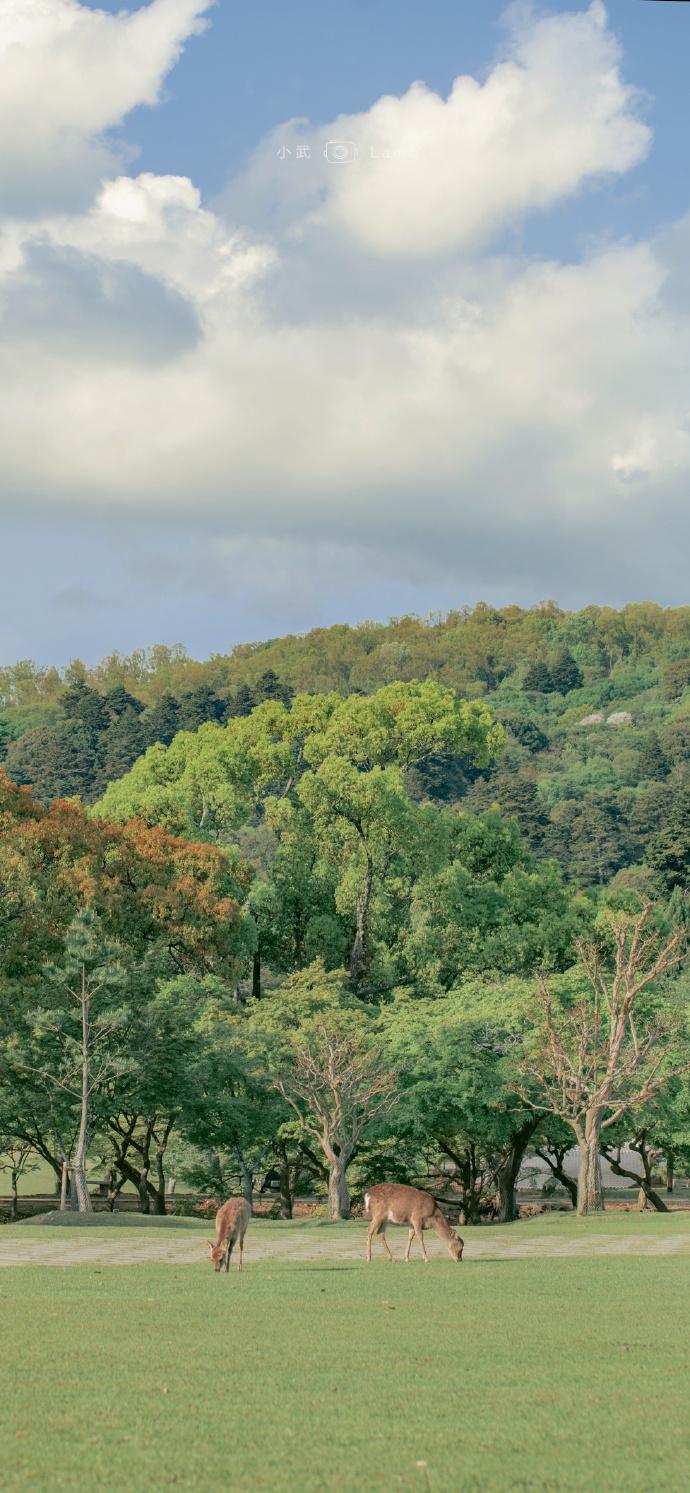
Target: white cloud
pixel 421 175
pixel 412 411
pixel 69 73
pixel 159 224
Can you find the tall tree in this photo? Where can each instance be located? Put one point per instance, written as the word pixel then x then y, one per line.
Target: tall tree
pixel 607 1051
pixel 67 1042
pixel 316 1044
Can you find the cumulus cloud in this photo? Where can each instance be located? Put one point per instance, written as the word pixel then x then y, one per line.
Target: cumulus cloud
pixel 76 304
pixel 421 174
pixel 68 74
pixel 440 412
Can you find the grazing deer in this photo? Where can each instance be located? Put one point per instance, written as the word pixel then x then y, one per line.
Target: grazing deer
pixel 390 1202
pixel 231 1226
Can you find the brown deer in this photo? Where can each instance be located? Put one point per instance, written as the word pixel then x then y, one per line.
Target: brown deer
pixel 390 1202
pixel 231 1226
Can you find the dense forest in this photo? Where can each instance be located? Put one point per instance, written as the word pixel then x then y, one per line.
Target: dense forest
pixel 596 706
pixel 378 901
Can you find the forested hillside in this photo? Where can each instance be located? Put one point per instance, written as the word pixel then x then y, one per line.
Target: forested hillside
pixel 596 706
pixel 348 892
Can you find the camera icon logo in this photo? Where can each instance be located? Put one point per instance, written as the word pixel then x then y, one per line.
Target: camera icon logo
pixel 340 152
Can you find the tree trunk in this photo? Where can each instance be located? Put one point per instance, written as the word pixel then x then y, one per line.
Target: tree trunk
pixel 509 1171
pixel 647 1193
pixel 14 1204
pixel 144 1197
pixel 558 1171
pixel 590 1192
pixel 81 1191
pixel 506 1211
pixel 63 1187
pixel 338 1190
pixel 256 975
pixel 285 1194
pixel 669 1172
pixel 159 1190
pixel 359 955
pixel 247 1179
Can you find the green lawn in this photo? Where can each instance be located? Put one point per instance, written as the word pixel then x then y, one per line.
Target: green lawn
pixel 536 1373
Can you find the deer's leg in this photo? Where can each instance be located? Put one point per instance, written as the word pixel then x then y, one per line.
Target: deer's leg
pixel 384 1241
pixel 419 1231
pixel 228 1253
pixel 370 1231
pixel 410 1237
pixel 239 1263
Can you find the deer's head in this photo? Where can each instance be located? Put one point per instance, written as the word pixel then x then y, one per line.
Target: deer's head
pixel 217 1253
pixel 455 1245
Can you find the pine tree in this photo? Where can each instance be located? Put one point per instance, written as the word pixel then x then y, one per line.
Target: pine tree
pixel 518 798
pixel 162 721
pixel 668 851
pixel 538 677
pixel 121 745
pixel 87 706
pixel 652 761
pixel 527 733
pixel 269 687
pixel 565 674
pixel 57 762
pixel 118 700
pixel 199 705
pixel 244 701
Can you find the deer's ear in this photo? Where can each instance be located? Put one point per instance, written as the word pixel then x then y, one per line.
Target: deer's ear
pixel 210 1244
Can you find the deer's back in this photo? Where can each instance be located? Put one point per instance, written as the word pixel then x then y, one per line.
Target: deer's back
pixel 232 1218
pixel 397 1203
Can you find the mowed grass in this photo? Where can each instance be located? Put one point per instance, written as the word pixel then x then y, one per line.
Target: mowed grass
pixel 536 1373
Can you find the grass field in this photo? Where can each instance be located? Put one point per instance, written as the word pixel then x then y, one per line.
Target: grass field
pixel 557 1356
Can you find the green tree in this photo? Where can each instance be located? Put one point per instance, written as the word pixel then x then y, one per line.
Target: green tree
pixel 668 850
pixel 56 762
pixel 118 701
pixel 605 1050
pixel 456 1060
pixel 675 679
pixel 319 1048
pixel 538 678
pixel 199 705
pixel 243 702
pixel 565 673
pixel 590 838
pixel 652 761
pixel 66 1043
pixel 121 744
pixel 162 721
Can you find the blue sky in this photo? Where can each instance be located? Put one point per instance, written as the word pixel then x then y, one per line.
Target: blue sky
pixel 262 63
pixel 289 399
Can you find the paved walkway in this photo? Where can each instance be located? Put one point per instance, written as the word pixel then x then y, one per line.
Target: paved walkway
pixel 26 1245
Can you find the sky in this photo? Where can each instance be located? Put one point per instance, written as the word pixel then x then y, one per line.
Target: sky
pixel 330 311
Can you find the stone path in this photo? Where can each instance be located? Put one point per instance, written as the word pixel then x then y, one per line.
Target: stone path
pixel 77 1246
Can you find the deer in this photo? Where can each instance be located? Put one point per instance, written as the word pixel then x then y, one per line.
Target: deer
pixel 231 1226
pixel 391 1202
